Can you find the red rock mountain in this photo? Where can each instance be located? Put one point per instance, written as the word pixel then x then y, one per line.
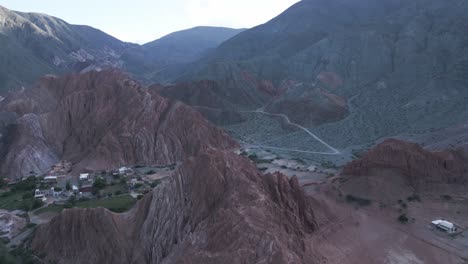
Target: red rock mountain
pixel 101 120
pixel 216 208
pixel 396 166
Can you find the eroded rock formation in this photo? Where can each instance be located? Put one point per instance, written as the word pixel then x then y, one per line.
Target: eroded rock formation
pixel 101 120
pixel 216 208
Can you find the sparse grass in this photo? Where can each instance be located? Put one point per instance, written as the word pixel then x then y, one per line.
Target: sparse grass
pixel 358 200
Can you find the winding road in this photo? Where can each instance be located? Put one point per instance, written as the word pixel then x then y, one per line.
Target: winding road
pixel 334 151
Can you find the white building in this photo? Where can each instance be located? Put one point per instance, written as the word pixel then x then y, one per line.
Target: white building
pixel 50 179
pixel 75 189
pixel 123 170
pixel 39 194
pixel 84 176
pixel 445 226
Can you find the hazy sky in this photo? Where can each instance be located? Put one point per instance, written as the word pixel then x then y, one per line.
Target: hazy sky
pixel 145 20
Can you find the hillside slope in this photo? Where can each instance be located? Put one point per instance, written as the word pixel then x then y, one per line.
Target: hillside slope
pixel 398 65
pixel 36 44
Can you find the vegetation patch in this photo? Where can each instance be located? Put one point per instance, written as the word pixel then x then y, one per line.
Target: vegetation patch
pixel 358 200
pixel 403 219
pixel 116 204
pixel 414 198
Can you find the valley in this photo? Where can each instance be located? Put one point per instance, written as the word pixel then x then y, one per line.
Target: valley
pixel 336 132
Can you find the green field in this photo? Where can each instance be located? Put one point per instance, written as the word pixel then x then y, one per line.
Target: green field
pixel 14 201
pixel 116 204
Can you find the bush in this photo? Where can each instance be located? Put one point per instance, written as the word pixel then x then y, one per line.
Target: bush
pixel 414 198
pixel 68 186
pixel 360 201
pixel 119 192
pixel 138 185
pixel 139 197
pixel 150 172
pixel 154 184
pixel 28 184
pixel 403 219
pixel 447 197
pixel 329 165
pixel 57 189
pixel 37 203
pixel 99 183
pixel 27 195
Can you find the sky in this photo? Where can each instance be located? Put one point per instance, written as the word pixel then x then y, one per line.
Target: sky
pixel 141 21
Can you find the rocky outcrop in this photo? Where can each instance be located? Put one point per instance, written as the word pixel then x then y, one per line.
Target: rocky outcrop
pixel 216 208
pixel 102 120
pixel 421 168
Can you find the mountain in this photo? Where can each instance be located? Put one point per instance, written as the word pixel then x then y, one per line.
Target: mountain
pixel 36 44
pixel 160 59
pixel 369 69
pixel 216 208
pixel 99 120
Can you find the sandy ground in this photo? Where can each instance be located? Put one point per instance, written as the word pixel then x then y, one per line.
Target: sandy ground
pixel 352 234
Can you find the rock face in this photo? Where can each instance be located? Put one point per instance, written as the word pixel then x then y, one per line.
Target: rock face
pixel 216 208
pixel 415 168
pixel 101 120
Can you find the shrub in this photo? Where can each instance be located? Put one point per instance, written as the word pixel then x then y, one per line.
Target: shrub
pixel 360 201
pixel 37 203
pixel 403 219
pixel 154 184
pixel 150 172
pixel 119 192
pixel 27 195
pixel 99 183
pixel 57 189
pixel 139 196
pixel 447 197
pixel 414 198
pixel 329 165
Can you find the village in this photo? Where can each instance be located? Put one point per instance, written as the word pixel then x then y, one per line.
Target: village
pixel 38 198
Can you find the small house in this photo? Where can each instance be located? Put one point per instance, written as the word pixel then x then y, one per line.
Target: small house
pixel 39 194
pixel 54 193
pixel 84 176
pixel 445 226
pixel 86 188
pixel 50 179
pixel 75 189
pixel 123 170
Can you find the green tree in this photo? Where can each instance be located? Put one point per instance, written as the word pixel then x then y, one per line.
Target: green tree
pixel 68 186
pixel 99 183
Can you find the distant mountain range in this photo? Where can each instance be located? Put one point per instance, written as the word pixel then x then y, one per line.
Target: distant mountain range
pixel 394 66
pixel 354 72
pixel 37 44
